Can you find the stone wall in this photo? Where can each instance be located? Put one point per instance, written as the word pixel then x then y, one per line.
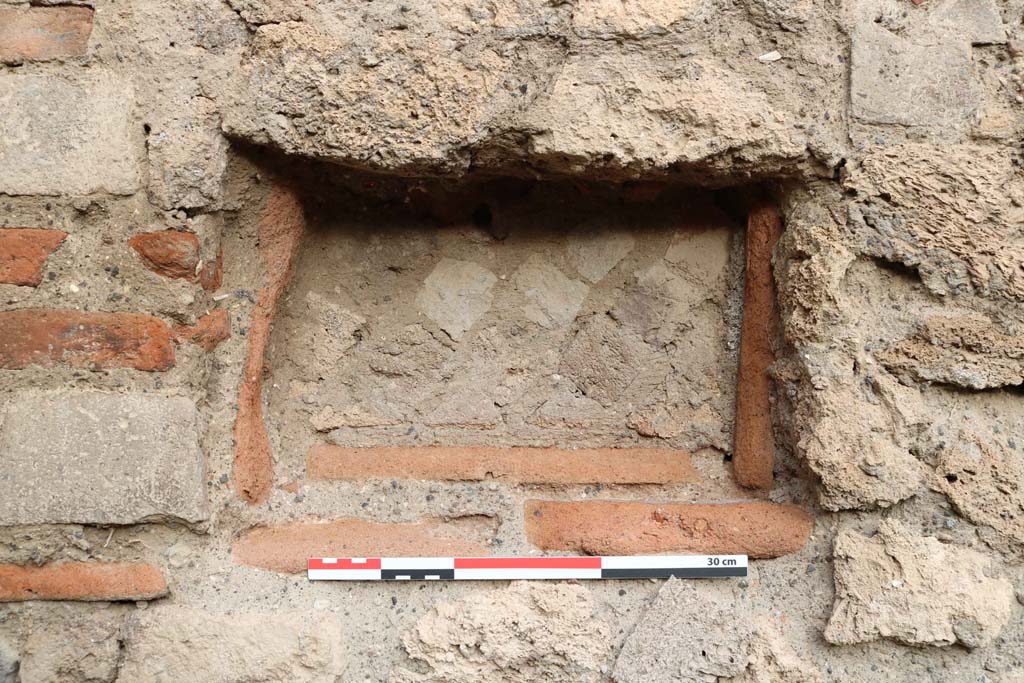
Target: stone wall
pixel 286 278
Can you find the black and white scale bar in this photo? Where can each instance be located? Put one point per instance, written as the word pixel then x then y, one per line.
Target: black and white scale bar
pixel 516 568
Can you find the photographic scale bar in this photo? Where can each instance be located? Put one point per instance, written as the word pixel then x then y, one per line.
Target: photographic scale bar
pixel 517 568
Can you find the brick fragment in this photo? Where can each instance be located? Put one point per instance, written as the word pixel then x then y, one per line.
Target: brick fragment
pixel 176 254
pixel 286 548
pixel 43 33
pixel 757 529
pixel 81 581
pixel 47 337
pixel 281 226
pixel 513 465
pixel 23 252
pixel 208 332
pixel 754 449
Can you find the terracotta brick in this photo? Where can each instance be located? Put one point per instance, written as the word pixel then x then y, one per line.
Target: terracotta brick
pixel 23 252
pixel 282 224
pixel 42 33
pixel 286 548
pixel 81 581
pixel 208 332
pixel 514 465
pixel 757 529
pixel 47 337
pixel 170 253
pixel 754 449
pixel 176 254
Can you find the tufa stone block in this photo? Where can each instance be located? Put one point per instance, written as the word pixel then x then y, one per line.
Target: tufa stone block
pixel 67 135
pixel 88 457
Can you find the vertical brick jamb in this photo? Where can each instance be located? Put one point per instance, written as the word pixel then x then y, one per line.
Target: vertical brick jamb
pixel 754 448
pixel 280 231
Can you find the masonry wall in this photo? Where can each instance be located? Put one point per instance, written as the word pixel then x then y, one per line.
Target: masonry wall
pixel 283 279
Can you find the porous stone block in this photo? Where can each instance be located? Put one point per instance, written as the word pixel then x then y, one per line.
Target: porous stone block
pixel 914 590
pixel 177 644
pixel 67 134
pixel 523 633
pixel 925 80
pixel 88 457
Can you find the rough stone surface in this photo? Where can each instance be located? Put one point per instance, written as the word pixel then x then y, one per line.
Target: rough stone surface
pixel 84 651
pixel 857 452
pixel 595 253
pixel 8 664
pixel 91 146
pixel 922 80
pixel 172 643
pixel 952 227
pixel 694 630
pixel 984 479
pixel 553 103
pixel 526 632
pixel 966 350
pixel 914 590
pixel 554 300
pixel 98 458
pixel 187 154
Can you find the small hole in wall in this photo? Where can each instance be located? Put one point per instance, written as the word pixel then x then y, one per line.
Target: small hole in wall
pixel 951 478
pixel 146 128
pixel 482 217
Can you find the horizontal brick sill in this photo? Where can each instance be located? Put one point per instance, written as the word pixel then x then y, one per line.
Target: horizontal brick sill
pixel 81 581
pixel 757 529
pixel 286 548
pixel 512 465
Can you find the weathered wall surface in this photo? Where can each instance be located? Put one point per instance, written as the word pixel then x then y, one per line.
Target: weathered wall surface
pixel 242 242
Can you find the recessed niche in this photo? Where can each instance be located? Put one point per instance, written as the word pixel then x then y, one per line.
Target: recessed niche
pixel 543 314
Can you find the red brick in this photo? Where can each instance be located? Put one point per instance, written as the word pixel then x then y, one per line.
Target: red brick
pixel 282 224
pixel 81 581
pixel 208 332
pixel 286 548
pixel 23 252
pixel 757 529
pixel 46 337
pixel 514 465
pixel 41 33
pixel 754 441
pixel 170 253
pixel 176 254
